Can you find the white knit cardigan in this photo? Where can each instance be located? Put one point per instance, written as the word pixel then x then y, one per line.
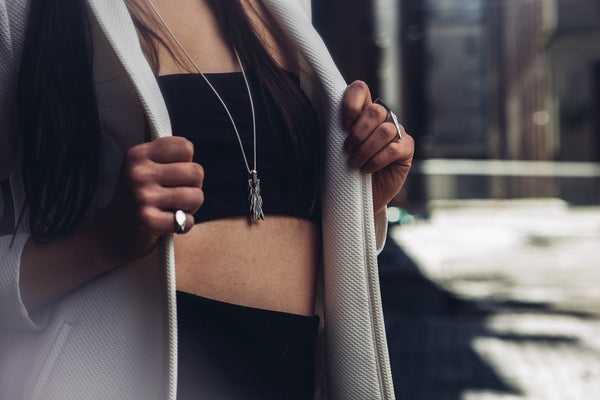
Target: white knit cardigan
pixel 115 338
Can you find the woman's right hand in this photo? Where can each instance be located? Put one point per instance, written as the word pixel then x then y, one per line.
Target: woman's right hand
pixel 157 178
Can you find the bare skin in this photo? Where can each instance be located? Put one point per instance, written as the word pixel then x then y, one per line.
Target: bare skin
pixel 270 265
pixel 231 260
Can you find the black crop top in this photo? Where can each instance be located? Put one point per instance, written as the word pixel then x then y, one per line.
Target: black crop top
pixel 198 115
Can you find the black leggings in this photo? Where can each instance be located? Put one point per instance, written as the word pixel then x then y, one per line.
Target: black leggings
pixel 234 352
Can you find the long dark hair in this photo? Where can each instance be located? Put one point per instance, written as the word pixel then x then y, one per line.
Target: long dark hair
pixel 57 116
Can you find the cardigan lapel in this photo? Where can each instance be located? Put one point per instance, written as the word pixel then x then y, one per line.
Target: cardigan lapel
pixel 117 25
pixel 351 267
pixel 354 320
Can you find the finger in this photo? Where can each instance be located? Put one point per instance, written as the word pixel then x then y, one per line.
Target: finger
pixel 163 222
pixel 170 150
pixel 356 97
pixel 398 151
pixel 180 198
pixel 383 135
pixel 180 174
pixel 370 118
pixel 404 135
pixel 188 199
pixel 189 223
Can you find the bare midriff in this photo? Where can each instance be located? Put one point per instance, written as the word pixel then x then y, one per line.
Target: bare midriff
pixel 269 264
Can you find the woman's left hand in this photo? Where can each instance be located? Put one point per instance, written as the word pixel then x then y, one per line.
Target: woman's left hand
pixel 372 144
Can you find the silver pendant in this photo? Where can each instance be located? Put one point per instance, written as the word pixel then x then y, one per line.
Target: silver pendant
pixel 256 202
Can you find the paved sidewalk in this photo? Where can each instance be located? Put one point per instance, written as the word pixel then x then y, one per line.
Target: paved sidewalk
pixel 495 301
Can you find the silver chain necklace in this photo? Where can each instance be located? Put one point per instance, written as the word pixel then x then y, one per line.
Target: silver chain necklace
pixel 254 197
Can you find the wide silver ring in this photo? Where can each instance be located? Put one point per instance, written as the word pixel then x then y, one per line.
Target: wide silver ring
pixel 179 217
pixel 391 118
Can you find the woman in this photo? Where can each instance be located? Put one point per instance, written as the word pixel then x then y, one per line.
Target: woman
pixel 89 280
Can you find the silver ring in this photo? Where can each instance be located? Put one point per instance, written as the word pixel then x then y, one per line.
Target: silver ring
pixel 391 118
pixel 179 218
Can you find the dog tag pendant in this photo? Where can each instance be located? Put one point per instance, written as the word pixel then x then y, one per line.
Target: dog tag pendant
pixel 256 212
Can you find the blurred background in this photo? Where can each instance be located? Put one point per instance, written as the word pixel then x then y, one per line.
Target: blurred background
pixel 490 276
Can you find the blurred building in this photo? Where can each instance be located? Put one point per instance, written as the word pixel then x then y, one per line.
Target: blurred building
pixel 543 83
pixel 521 122
pixel 455 84
pixel 528 125
pixel 573 45
pixel 498 94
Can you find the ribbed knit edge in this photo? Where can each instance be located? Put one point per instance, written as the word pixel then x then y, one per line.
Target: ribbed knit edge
pixel 167 258
pixel 13 314
pixel 377 321
pixel 314 51
pixel 115 21
pixel 381 228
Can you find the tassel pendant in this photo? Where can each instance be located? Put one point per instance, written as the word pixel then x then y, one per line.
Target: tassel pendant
pixel 256 212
